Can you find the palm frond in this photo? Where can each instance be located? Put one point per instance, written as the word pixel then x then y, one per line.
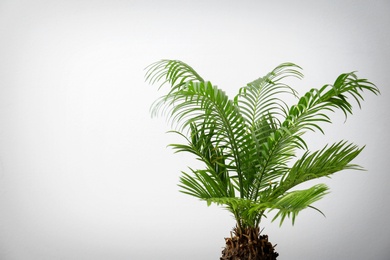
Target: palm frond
pixel 260 97
pixel 321 163
pixel 174 72
pixel 347 85
pixel 202 103
pixel 201 145
pixel 311 109
pixel 291 203
pixel 203 184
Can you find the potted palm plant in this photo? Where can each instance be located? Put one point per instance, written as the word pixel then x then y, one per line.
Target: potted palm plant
pixel 249 145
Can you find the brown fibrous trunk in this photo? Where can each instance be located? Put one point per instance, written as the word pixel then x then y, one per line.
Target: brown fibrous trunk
pixel 248 244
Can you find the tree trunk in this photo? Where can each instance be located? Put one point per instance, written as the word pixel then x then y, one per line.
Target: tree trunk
pixel 248 244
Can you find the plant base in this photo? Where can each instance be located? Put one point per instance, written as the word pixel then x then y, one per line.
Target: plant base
pixel 248 245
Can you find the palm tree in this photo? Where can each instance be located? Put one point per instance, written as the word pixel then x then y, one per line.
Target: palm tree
pixel 249 144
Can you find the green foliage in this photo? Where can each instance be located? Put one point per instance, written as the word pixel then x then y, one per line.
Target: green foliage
pixel 248 143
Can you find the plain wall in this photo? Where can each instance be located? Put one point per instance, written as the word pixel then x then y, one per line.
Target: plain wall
pixel 84 169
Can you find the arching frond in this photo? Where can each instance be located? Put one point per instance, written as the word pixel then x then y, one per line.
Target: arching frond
pixel 261 97
pixel 321 163
pixel 306 115
pixel 312 108
pixel 174 72
pixel 291 203
pixel 203 184
pixel 202 103
pixel 203 147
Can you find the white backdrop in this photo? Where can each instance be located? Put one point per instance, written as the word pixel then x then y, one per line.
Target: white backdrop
pixel 84 169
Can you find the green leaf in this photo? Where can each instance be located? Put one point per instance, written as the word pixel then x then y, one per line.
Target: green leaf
pixel 321 163
pixel 249 145
pixel 291 203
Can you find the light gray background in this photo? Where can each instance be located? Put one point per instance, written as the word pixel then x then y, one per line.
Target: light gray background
pixel 84 170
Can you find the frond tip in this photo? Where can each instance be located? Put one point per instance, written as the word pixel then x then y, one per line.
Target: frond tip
pixel 260 97
pixel 174 72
